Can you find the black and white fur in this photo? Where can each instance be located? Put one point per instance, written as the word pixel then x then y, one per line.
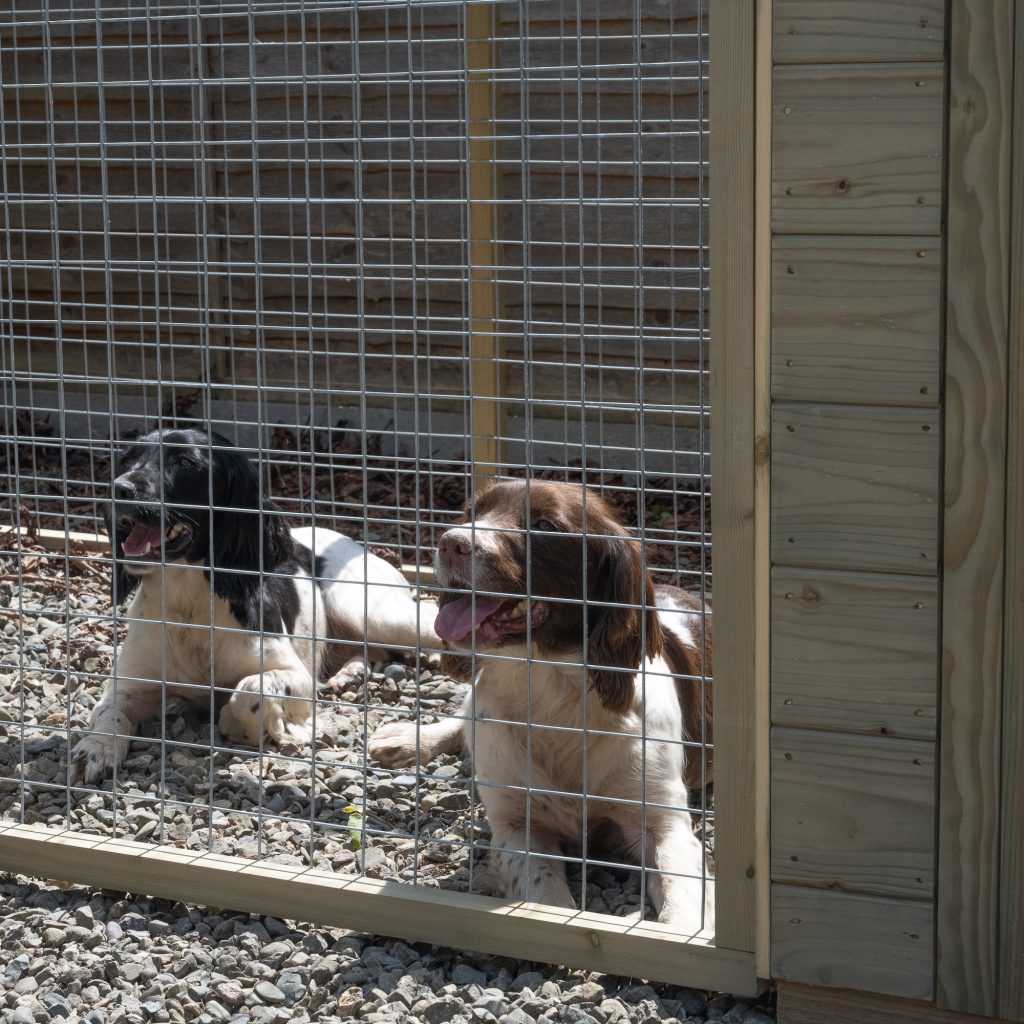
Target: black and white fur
pixel 223 595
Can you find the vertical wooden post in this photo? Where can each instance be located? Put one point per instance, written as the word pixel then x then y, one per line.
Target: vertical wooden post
pixel 740 416
pixel 219 360
pixel 974 537
pixel 484 241
pixel 1011 863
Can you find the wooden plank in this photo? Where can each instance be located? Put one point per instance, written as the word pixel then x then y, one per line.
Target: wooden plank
pixel 855 652
pixel 487 413
pixel 810 1004
pixel 855 488
pixel 1011 859
pixel 595 941
pixel 739 402
pixel 858 149
pixel 857 320
pixel 838 31
pixel 58 540
pixel 853 813
pixel 853 941
pixel 977 297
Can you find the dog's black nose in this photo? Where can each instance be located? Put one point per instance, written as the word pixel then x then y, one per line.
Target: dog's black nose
pixel 124 489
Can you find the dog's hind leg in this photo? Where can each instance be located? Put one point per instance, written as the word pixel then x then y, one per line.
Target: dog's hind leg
pixel 681 887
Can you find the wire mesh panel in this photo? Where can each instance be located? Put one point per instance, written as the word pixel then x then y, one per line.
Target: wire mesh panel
pixel 359 258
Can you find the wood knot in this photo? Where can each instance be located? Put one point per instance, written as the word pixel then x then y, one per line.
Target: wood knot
pixel 842 185
pixel 762 450
pixel 810 596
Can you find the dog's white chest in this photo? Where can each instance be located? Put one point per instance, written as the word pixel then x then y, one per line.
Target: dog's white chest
pixel 569 774
pixel 195 635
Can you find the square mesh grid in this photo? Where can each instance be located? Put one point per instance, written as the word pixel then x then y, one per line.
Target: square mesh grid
pixel 388 250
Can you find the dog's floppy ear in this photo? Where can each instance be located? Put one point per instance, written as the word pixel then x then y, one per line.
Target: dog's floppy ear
pixel 122 583
pixel 617 635
pixel 243 538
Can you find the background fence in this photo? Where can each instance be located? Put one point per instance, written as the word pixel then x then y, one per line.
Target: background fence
pixel 262 216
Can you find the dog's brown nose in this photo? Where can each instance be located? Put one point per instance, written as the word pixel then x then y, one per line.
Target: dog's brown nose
pixel 455 540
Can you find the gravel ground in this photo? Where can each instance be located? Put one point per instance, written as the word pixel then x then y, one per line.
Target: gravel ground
pixel 72 954
pixel 80 955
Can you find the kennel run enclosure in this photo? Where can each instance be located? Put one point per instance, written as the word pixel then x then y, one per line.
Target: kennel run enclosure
pixel 392 250
pixel 866 229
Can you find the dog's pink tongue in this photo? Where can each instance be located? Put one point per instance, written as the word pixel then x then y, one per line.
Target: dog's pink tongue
pixel 457 619
pixel 135 543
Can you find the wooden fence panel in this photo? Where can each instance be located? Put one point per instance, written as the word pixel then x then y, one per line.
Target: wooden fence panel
pixel 854 813
pixel 838 31
pixel 857 320
pixel 857 149
pixel 855 652
pixel 855 488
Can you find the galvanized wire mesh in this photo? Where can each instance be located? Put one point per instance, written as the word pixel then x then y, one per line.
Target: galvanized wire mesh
pixel 289 222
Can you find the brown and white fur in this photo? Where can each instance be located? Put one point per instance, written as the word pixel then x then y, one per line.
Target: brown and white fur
pixel 587 679
pixel 230 605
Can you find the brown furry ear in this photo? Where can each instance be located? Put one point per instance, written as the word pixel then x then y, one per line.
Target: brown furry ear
pixel 617 634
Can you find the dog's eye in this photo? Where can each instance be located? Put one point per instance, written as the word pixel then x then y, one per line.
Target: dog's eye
pixel 545 526
pixel 185 462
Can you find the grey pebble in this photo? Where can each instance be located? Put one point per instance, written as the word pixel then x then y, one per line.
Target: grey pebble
pixel 58 1005
pixel 291 986
pixel 276 927
pixel 517 1016
pixel 529 979
pixel 463 974
pixel 270 993
pixel 442 1011
pixel 576 1015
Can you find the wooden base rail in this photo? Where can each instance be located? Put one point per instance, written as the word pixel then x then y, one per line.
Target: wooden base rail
pixel 811 1004
pixel 57 540
pixel 596 942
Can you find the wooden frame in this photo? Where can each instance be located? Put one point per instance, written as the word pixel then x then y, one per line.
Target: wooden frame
pixel 1011 861
pixel 594 941
pixel 739 430
pixel 488 410
pixel 981 36
pixel 736 953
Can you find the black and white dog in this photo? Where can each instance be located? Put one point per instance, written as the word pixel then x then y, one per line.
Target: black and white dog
pixel 228 596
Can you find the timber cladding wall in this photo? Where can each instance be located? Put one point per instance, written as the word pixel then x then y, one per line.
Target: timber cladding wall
pixel 856 366
pixel 890 193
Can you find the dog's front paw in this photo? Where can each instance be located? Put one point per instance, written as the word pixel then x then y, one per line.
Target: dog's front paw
pixel 394 745
pixel 247 718
pixel 95 758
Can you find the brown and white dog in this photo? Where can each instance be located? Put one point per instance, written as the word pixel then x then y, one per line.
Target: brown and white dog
pixel 588 680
